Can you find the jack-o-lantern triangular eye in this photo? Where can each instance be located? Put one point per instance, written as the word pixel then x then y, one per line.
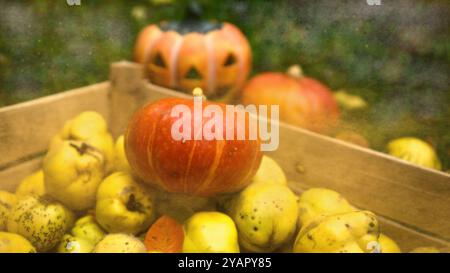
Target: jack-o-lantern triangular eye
pixel 158 60
pixel 193 74
pixel 230 60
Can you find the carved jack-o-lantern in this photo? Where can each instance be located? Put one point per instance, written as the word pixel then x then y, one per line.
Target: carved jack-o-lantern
pixel 185 55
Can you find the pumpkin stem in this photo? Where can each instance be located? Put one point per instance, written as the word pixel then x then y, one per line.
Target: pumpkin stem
pixel 198 92
pixel 295 71
pixel 194 11
pixel 85 148
pixel 82 148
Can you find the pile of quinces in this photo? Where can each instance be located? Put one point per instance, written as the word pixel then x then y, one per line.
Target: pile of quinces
pixel 85 199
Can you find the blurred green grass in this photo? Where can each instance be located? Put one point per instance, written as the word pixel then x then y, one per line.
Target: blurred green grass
pixel 396 56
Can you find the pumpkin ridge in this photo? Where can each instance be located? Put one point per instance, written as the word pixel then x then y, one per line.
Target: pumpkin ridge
pixel 158 176
pixel 212 70
pixel 150 150
pixel 212 170
pixel 191 155
pixel 174 57
pixel 231 35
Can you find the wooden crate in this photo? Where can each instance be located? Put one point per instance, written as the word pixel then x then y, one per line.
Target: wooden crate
pixel 413 203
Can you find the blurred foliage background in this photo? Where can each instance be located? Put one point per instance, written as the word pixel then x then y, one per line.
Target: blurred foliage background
pixel 396 55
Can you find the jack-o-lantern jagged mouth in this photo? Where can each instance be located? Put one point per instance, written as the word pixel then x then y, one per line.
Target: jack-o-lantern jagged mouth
pixel 220 92
pixel 189 26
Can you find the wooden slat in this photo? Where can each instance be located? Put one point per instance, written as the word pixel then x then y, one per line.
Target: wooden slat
pixel 11 177
pixel 408 238
pixel 126 81
pixel 26 128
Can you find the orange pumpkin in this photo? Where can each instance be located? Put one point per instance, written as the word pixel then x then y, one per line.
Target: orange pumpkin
pixel 303 101
pixel 196 167
pixel 183 55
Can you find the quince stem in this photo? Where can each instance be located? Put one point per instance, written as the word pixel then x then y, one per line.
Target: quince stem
pixel 81 149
